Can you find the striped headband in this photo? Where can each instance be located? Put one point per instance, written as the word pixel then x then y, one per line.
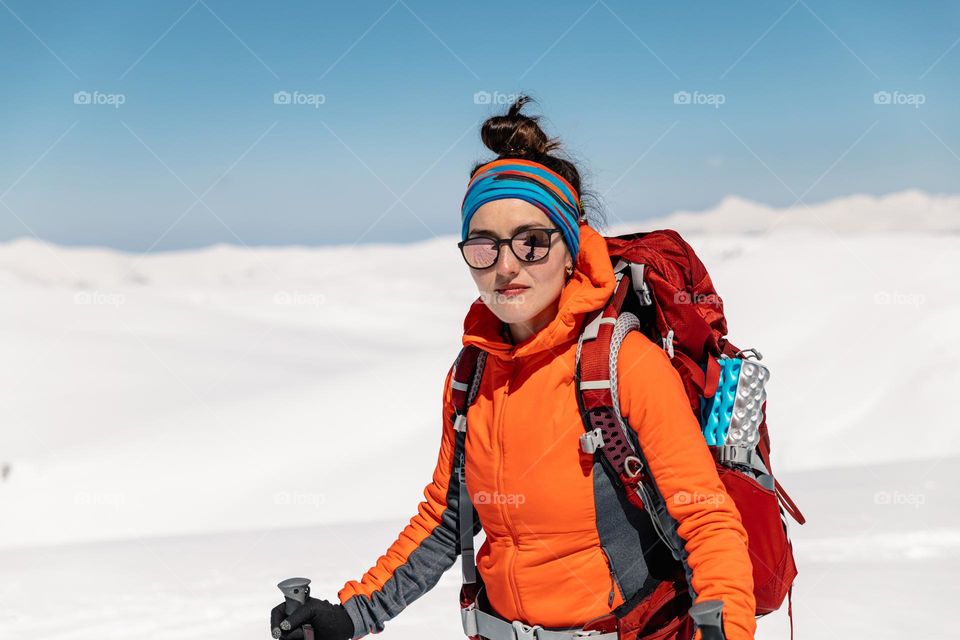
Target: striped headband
pixel 530 181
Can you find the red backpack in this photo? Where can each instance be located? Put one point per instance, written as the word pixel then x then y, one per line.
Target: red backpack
pixel 664 291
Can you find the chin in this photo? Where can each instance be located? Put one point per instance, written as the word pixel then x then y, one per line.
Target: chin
pixel 514 312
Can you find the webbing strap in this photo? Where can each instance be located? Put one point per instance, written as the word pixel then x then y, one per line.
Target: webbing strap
pixel 788 503
pixel 790 609
pixel 495 628
pixel 465 506
pixel 465 383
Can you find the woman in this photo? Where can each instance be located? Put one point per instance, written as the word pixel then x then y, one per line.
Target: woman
pixel 560 548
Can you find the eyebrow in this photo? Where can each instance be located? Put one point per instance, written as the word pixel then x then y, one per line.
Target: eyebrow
pixel 488 232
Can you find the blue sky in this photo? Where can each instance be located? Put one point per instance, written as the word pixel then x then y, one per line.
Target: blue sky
pixel 154 125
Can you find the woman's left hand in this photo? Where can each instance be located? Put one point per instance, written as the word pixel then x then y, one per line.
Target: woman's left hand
pixel 329 621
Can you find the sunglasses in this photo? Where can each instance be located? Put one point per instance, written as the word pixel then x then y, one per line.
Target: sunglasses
pixel 529 245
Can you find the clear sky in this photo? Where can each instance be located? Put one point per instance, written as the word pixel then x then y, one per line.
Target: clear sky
pixel 157 125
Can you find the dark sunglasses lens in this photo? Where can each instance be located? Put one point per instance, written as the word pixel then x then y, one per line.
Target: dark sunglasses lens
pixel 531 245
pixel 480 253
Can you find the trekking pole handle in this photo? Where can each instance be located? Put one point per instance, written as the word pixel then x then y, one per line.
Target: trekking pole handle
pixel 706 615
pixel 295 592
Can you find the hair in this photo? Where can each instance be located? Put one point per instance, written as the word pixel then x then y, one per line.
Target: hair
pixel 518 135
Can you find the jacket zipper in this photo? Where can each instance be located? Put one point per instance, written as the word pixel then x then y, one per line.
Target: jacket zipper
pixel 613 580
pixel 503 508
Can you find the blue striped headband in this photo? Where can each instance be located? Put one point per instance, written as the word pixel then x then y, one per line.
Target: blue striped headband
pixel 530 181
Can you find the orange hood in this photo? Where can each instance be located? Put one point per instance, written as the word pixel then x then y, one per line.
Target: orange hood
pixel 588 289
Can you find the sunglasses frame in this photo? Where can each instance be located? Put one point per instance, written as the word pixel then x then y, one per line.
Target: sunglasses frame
pixel 499 242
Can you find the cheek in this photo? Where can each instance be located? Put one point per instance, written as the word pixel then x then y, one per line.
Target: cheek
pixel 483 279
pixel 547 281
pixel 548 274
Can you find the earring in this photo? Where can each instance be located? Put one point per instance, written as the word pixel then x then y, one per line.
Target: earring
pixel 569 270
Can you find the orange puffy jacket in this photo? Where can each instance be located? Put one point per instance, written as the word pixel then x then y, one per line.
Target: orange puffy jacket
pixel 559 549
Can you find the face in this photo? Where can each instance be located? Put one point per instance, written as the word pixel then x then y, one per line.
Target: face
pixel 532 307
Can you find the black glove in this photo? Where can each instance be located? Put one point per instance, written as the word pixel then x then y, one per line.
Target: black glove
pixel 329 621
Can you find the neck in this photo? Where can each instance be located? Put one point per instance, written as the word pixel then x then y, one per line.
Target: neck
pixel 520 331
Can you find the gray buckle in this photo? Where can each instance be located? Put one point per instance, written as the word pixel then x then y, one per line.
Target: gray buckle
pixel 591 440
pixel 460 422
pixel 524 632
pixel 731 455
pixel 737 455
pixel 640 285
pixel 468 616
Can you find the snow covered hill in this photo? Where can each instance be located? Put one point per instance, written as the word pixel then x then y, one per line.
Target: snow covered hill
pixel 231 388
pixel 182 430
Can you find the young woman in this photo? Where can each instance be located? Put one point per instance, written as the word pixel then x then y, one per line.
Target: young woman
pixel 560 548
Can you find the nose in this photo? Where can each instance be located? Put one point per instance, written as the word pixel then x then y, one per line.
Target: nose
pixel 507 264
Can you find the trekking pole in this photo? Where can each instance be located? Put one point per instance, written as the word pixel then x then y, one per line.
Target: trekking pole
pixel 707 617
pixel 295 592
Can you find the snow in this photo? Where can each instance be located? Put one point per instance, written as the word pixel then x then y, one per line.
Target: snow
pixel 182 430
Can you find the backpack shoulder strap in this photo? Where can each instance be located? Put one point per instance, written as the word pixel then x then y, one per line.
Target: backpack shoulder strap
pixel 465 383
pixel 468 364
pixel 598 400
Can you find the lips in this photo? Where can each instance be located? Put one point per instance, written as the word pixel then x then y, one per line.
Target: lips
pixel 513 288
